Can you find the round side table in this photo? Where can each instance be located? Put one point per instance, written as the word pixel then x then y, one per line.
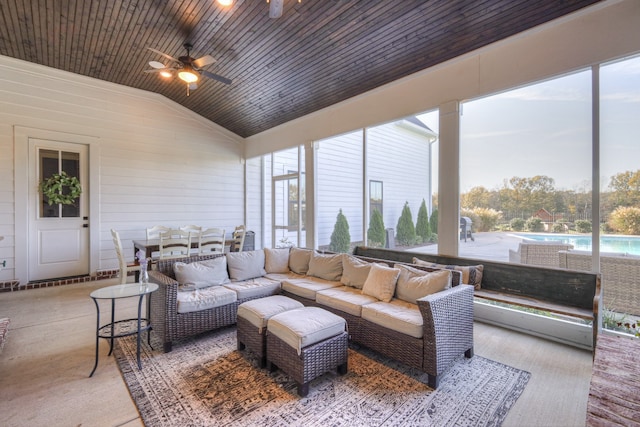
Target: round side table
pixel 122 328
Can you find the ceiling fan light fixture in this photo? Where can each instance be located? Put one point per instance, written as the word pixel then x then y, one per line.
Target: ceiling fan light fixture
pixel 166 74
pixel 188 74
pixel 225 2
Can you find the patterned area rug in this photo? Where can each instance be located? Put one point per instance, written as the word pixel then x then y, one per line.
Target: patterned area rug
pixel 206 382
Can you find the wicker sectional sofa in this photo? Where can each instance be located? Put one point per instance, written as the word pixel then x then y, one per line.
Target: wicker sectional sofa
pixel 425 332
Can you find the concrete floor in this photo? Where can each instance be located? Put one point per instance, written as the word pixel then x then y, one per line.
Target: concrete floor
pixel 45 366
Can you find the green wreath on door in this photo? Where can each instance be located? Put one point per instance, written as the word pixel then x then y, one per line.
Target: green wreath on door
pixel 53 189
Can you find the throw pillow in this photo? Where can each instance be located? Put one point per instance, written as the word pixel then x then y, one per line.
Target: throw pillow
pixel 299 260
pixel 276 260
pixel 246 265
pixel 354 271
pixel 381 282
pixel 471 274
pixel 202 274
pixel 327 267
pixel 414 284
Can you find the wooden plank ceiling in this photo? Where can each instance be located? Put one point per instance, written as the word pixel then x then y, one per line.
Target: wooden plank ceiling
pixel 318 53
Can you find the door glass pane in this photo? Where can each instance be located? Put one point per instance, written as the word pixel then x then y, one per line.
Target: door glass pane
pixel 71 165
pixel 49 165
pixel 53 162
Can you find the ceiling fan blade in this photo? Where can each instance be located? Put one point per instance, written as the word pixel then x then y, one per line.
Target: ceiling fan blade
pixel 154 70
pixel 216 76
pixel 275 8
pixel 169 57
pixel 156 64
pixel 204 61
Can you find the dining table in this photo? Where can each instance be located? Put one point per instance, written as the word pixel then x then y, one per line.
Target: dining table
pixel 149 246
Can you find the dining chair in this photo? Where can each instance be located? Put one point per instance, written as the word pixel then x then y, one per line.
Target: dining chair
pixel 238 238
pixel 125 268
pixel 194 231
pixel 154 232
pixel 175 243
pixel 211 241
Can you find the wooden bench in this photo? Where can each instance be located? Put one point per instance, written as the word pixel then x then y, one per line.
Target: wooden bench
pixel 566 292
pixel 613 393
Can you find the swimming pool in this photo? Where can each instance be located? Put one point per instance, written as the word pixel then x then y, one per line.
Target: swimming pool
pixel 608 243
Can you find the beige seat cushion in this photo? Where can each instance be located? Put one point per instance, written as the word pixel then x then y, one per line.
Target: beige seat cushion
pixel 414 284
pixel 245 265
pixel 204 299
pixel 305 326
pixel 471 274
pixel 259 311
pixel 345 298
pixel 381 282
pixel 308 286
pixel 328 267
pixel 299 260
pixel 397 315
pixel 354 271
pixel 202 274
pixel 254 288
pixel 276 260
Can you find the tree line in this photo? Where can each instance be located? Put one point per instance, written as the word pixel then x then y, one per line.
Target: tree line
pixel 522 197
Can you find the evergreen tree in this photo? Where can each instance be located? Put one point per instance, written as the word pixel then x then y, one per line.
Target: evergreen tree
pixel 423 229
pixel 340 238
pixel 406 233
pixel 376 234
pixel 433 221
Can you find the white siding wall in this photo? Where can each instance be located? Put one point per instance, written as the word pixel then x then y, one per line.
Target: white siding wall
pixel 158 162
pixel 339 185
pixel 400 159
pixel 396 155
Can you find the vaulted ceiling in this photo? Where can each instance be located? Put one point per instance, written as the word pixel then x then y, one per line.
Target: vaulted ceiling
pixel 318 53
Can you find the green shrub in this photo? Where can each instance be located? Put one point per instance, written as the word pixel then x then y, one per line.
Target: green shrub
pixel 583 226
pixel 376 234
pixel 406 232
pixel 557 228
pixel 517 224
pixel 484 219
pixel 340 238
pixel 423 229
pixel 433 221
pixel 534 224
pixel 626 220
pixel 606 228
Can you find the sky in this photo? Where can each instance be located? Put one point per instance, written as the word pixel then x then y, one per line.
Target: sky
pixel 545 129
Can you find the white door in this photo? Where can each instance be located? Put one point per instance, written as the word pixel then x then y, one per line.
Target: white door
pixel 58 234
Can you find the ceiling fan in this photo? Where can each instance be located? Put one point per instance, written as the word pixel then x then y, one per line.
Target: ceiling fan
pixel 187 68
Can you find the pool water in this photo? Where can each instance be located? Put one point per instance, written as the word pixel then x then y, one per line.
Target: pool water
pixel 628 244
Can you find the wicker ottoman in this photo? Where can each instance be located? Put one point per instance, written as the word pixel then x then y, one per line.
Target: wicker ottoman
pixel 305 343
pixel 252 322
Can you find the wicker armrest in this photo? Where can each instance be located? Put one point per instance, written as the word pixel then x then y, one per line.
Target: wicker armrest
pixel 451 306
pixel 163 308
pixel 448 327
